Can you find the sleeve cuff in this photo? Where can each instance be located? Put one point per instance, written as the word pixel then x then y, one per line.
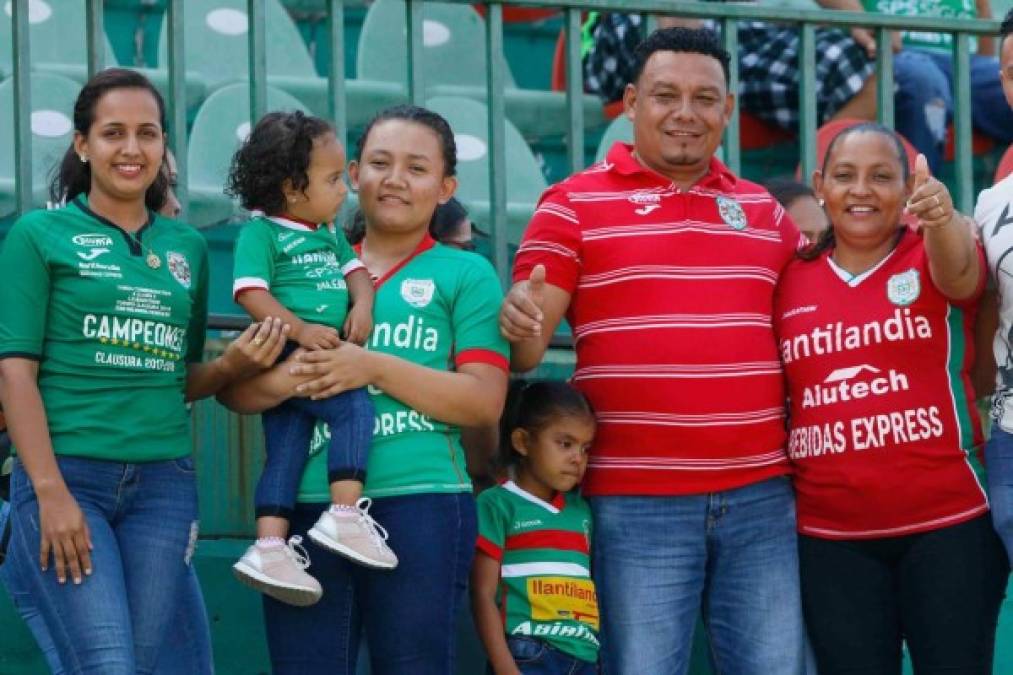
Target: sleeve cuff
pixel 351 266
pixel 243 284
pixel 15 354
pixel 489 548
pixel 486 356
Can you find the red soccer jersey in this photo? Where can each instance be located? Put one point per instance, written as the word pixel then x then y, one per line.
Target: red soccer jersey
pixel 883 421
pixel 671 294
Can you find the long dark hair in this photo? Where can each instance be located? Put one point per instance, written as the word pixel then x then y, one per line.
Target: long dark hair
pixel 71 176
pixel 826 239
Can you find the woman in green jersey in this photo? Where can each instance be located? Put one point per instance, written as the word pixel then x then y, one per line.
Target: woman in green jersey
pixel 102 324
pixel 434 362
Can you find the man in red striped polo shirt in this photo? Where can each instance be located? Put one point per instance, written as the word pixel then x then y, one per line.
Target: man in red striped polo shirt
pixel 665 263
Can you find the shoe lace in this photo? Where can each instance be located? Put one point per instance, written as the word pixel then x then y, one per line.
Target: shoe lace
pixel 375 529
pixel 296 552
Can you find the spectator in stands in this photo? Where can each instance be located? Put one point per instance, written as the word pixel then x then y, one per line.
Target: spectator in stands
pixel 993 215
pixel 799 200
pixel 435 362
pixel 105 303
pixel 187 647
pixel 891 514
pixel 923 73
pixel 665 264
pixel 768 66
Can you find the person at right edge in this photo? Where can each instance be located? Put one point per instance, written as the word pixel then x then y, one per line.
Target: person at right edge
pixel 665 263
pixel 993 215
pixel 874 325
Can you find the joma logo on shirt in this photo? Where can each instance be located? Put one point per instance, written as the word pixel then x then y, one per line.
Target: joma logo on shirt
pixel 409 335
pixel 93 240
pixel 149 333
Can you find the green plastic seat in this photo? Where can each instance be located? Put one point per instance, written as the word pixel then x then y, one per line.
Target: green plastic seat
pixel 221 124
pixel 57 36
pixel 217 54
pixel 525 182
pixel 455 64
pixel 52 132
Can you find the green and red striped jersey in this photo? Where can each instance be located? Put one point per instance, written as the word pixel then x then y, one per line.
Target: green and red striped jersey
pixel 546 591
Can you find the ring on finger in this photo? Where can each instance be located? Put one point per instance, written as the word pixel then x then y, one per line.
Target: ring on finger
pixel 257 341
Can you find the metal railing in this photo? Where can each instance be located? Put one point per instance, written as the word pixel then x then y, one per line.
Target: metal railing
pixel 727 15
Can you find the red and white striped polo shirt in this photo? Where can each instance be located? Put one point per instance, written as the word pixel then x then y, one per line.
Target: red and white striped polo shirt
pixel 671 295
pixel 883 420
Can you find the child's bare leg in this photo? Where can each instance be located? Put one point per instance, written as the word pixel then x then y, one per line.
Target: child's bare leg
pixel 272 526
pixel 346 492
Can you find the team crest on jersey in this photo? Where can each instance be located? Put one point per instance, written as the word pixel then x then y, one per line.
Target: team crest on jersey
pixel 179 267
pixel 731 212
pixel 418 292
pixel 904 288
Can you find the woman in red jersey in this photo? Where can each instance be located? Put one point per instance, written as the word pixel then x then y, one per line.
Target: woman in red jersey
pixel 873 325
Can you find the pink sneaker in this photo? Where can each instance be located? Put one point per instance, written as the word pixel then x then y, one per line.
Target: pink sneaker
pixel 280 572
pixel 359 538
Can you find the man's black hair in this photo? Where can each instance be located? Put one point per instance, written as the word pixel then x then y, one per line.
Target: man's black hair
pixel 691 40
pixel 1006 28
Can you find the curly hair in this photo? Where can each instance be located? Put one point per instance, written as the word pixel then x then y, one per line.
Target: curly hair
pixel 278 149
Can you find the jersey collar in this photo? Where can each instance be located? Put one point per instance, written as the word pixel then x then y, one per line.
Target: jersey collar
pixel 620 159
pixel 427 243
pixel 293 223
pixel 133 240
pixel 555 506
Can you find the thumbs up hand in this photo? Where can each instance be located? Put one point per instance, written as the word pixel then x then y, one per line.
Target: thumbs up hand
pixel 930 201
pixel 521 315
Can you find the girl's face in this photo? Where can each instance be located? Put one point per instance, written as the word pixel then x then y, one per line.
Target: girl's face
pixel 124 145
pixel 321 200
pixel 554 457
pixel 400 177
pixel 863 188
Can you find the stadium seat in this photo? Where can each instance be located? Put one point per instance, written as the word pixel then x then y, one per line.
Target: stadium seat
pixel 52 131
pixel 754 134
pixel 455 64
pixel 57 35
pixel 1005 167
pixel 216 51
pixel 221 124
pixel 980 143
pixel 525 183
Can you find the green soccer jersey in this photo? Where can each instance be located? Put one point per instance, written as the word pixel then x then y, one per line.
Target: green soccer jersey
pixel 303 267
pixel 546 591
pixel 438 309
pixel 941 42
pixel 113 319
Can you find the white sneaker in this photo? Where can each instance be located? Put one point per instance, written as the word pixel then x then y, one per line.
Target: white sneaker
pixel 359 538
pixel 279 571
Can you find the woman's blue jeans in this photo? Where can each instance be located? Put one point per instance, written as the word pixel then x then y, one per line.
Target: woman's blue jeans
pixel 143 524
pixel 409 614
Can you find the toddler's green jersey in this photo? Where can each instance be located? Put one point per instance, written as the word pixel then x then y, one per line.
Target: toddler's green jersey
pixel 303 267
pixel 546 591
pixel 438 309
pixel 113 319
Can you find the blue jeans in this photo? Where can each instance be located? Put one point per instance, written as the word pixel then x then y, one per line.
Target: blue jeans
pixel 409 614
pixel 659 561
pixel 534 657
pixel 288 430
pixel 924 100
pixel 999 472
pixel 143 523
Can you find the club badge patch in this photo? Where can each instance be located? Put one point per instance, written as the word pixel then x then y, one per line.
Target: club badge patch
pixel 904 288
pixel 418 292
pixel 179 267
pixel 731 212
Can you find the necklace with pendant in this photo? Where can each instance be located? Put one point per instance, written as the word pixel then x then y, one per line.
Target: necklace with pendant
pixel 152 259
